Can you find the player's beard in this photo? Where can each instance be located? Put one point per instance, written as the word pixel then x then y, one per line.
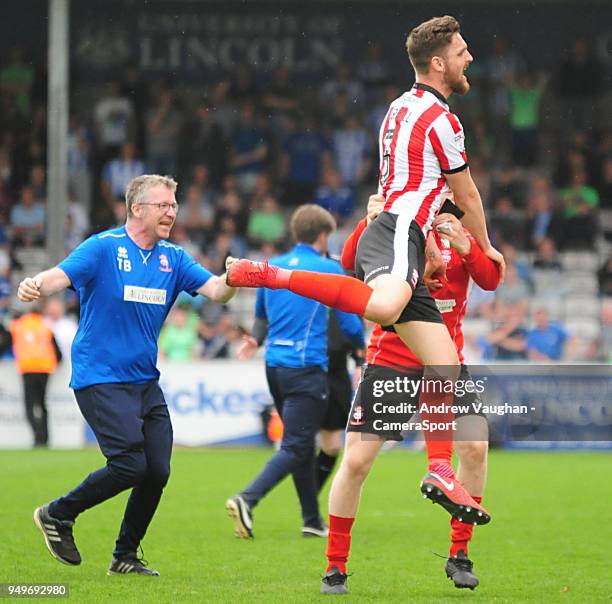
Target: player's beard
pixel 459 84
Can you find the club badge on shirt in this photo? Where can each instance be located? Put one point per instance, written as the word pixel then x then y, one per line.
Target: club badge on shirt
pixel 357 419
pixel 164 265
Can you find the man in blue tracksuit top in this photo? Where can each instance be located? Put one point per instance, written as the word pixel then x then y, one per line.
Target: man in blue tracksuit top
pixel 127 279
pixel 296 369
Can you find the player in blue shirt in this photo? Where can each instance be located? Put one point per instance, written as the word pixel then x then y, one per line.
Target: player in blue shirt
pixel 127 280
pixel 296 370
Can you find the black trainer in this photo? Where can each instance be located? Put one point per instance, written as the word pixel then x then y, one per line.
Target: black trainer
pixel 130 563
pixel 238 509
pixel 334 583
pixel 459 569
pixel 315 530
pixel 58 536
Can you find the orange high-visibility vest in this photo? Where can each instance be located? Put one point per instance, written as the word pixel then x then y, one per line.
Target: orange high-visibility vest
pixel 33 344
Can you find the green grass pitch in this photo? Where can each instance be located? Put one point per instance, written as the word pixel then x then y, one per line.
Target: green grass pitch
pixel 549 540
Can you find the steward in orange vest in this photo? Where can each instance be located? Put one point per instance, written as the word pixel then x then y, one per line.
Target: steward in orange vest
pixel 33 344
pixel 36 354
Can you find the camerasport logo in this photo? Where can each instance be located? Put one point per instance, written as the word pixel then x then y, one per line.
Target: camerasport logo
pixel 357 417
pixel 164 265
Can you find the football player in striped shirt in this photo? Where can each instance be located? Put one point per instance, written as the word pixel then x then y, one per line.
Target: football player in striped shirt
pixel 422 160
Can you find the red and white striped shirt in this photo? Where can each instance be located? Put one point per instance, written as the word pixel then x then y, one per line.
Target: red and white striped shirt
pixel 420 141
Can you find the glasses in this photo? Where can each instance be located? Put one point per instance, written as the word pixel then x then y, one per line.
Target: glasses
pixel 164 206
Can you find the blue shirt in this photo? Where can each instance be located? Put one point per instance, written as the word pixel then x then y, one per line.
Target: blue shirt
pixel 304 150
pixel 27 218
pixel 297 326
pixel 341 202
pixel 549 341
pixel 125 294
pixel 245 140
pixel 117 173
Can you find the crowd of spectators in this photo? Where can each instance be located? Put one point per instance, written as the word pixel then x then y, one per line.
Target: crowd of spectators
pixel 248 149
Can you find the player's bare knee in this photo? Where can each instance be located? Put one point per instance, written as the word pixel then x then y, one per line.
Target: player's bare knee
pixel 472 454
pixel 384 312
pixel 357 466
pixel 391 294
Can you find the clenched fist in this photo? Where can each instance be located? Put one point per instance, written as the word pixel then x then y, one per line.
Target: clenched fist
pixel 29 289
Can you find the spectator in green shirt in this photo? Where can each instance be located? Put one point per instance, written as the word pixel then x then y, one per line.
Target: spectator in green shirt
pixel 178 340
pixel 266 223
pixel 525 97
pixel 580 203
pixel 16 79
pixel 579 198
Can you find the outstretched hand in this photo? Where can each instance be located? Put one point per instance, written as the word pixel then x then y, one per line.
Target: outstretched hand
pixel 248 347
pixel 29 289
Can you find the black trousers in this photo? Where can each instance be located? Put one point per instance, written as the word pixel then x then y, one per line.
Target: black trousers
pixel 300 397
pixel 35 393
pixel 133 428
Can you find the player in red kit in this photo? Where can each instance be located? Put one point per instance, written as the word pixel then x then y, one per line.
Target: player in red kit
pixel 422 159
pixel 388 360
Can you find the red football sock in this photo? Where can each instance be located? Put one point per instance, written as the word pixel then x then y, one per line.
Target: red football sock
pixel 338 542
pixel 338 291
pixel 461 533
pixel 439 444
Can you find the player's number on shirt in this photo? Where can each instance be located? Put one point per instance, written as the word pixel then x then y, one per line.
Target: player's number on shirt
pixel 384 171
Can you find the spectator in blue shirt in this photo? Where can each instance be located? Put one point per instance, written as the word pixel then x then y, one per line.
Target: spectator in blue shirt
pixel 335 197
pixel 28 220
pixel 296 369
pixel 306 152
pixel 118 172
pixel 5 290
pixel 546 341
pixel 352 149
pixel 249 149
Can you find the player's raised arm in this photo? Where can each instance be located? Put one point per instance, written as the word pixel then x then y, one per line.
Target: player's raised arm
pixel 44 284
pixel 468 199
pixel 216 288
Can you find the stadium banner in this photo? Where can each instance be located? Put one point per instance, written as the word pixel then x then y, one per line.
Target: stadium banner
pixel 66 424
pixel 221 402
pixel 216 402
pixel 203 41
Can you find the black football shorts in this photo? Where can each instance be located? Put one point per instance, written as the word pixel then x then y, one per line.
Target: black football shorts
pixel 391 245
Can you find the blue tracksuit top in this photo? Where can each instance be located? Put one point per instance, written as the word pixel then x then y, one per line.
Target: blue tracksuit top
pixel 297 326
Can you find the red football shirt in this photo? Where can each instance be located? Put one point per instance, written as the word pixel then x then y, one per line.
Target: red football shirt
pixel 386 347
